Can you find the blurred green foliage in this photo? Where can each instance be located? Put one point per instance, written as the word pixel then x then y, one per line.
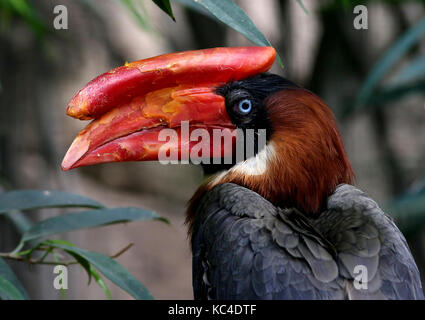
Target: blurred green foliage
pixel 407 78
pixel 23 10
pixel 34 250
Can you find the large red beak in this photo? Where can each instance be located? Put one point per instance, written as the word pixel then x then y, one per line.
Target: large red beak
pixel 131 104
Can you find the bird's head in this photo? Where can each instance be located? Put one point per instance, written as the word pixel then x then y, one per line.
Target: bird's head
pixel 223 89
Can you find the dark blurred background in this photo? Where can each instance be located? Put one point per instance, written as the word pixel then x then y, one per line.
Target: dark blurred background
pixel 42 68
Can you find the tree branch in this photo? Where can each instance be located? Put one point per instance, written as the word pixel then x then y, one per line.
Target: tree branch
pixel 14 257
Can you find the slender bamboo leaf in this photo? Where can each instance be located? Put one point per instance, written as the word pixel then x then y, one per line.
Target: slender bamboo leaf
pixel 83 262
pixel 397 92
pixel 231 14
pixel 87 219
pixel 398 50
pixel 55 242
pixel 413 72
pixel 410 216
pixel 35 199
pixel 113 271
pixel 165 6
pixel 47 253
pixel 25 10
pixel 409 209
pixel 7 288
pixel 141 19
pixel 100 282
pixel 29 251
pixel 19 220
pixel 190 4
pixel 302 6
pixel 10 276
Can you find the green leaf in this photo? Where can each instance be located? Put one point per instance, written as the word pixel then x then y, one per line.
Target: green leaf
pixel 27 13
pixel 413 72
pixel 83 262
pixel 410 216
pixel 165 6
pixel 100 282
pixel 113 271
pixel 192 5
pixel 231 14
pixel 302 6
pixel 409 209
pixel 27 252
pixel 7 288
pixel 47 253
pixel 9 275
pixel 19 220
pixel 58 242
pixel 394 54
pixel 87 219
pixel 34 199
pixel 394 93
pixel 141 18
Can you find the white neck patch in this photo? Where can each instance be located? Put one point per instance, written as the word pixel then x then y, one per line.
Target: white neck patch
pixel 253 166
pixel 257 165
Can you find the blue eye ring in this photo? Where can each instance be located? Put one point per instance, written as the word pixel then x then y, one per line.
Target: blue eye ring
pixel 245 106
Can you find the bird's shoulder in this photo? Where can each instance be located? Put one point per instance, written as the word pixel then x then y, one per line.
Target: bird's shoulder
pixel 367 239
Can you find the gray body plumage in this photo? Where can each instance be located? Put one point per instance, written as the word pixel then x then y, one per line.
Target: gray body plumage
pixel 246 248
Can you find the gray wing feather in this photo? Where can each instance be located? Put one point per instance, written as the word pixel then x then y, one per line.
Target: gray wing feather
pixel 364 235
pixel 246 248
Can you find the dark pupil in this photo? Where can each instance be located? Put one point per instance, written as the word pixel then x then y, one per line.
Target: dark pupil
pixel 245 106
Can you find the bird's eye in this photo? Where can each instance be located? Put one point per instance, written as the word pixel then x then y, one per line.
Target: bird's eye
pixel 245 106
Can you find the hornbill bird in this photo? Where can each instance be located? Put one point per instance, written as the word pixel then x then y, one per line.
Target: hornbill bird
pixel 282 223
